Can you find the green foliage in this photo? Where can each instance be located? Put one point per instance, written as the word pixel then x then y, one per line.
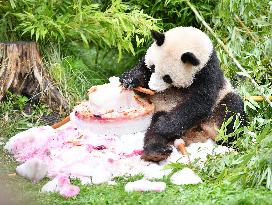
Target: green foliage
pixel 21 101
pixel 247 33
pixel 175 13
pixel 119 26
pixel 251 165
pixel 14 117
pixel 75 74
pixel 222 135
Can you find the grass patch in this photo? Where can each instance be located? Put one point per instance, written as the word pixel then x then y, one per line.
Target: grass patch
pixel 83 68
pixel 210 192
pixel 207 193
pixel 199 194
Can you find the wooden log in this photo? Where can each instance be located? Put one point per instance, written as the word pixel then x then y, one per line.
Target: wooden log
pixel 22 72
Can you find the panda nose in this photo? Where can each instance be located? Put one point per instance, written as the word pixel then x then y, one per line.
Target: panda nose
pixel 152 69
pixel 167 79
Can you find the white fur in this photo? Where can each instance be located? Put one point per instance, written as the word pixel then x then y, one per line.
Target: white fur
pixel 167 100
pixel 227 88
pixel 157 83
pixel 167 57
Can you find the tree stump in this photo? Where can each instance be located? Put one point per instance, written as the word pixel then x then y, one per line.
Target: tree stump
pixel 22 72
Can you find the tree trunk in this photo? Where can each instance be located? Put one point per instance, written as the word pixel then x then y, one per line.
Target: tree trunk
pixel 22 72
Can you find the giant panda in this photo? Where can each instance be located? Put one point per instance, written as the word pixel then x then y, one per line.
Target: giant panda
pixel 193 98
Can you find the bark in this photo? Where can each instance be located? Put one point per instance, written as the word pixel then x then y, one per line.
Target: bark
pixel 22 72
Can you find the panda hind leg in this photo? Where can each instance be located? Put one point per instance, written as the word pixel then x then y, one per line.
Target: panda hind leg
pixel 200 133
pixel 230 106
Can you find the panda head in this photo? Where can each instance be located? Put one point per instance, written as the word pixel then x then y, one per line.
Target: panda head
pixel 176 56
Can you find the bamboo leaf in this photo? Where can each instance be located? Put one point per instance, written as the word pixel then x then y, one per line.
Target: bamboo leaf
pixel 84 39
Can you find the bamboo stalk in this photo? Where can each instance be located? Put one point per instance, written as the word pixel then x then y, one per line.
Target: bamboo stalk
pixel 62 122
pixel 145 90
pixel 229 52
pixel 245 27
pixel 257 98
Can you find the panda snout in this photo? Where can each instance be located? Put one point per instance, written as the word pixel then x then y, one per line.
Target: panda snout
pixel 152 69
pixel 157 84
pixel 167 79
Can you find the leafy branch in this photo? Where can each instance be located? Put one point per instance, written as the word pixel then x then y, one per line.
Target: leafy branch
pixel 120 26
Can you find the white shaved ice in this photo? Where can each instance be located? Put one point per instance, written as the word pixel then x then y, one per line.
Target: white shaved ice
pixel 185 176
pixel 145 185
pixel 33 169
pixel 95 159
pixel 155 171
pixel 101 176
pixel 51 186
pixel 177 142
pixel 112 96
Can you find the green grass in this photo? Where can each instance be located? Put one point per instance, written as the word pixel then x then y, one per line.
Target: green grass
pixel 193 194
pixel 209 192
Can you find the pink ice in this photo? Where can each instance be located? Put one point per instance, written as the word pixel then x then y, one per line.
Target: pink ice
pixel 65 153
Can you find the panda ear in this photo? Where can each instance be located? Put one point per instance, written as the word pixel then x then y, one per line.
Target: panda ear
pixel 189 57
pixel 158 37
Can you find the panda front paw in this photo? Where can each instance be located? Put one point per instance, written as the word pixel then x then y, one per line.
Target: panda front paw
pixel 156 152
pixel 139 75
pixel 167 127
pixel 130 80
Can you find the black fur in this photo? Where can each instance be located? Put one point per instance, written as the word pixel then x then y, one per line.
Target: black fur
pixel 189 57
pixel 158 37
pixel 152 68
pixel 197 108
pixel 137 76
pixel 155 146
pixel 167 79
pixel 203 93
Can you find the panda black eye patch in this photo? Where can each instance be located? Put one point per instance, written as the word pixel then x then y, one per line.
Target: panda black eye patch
pixel 189 57
pixel 152 68
pixel 167 79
